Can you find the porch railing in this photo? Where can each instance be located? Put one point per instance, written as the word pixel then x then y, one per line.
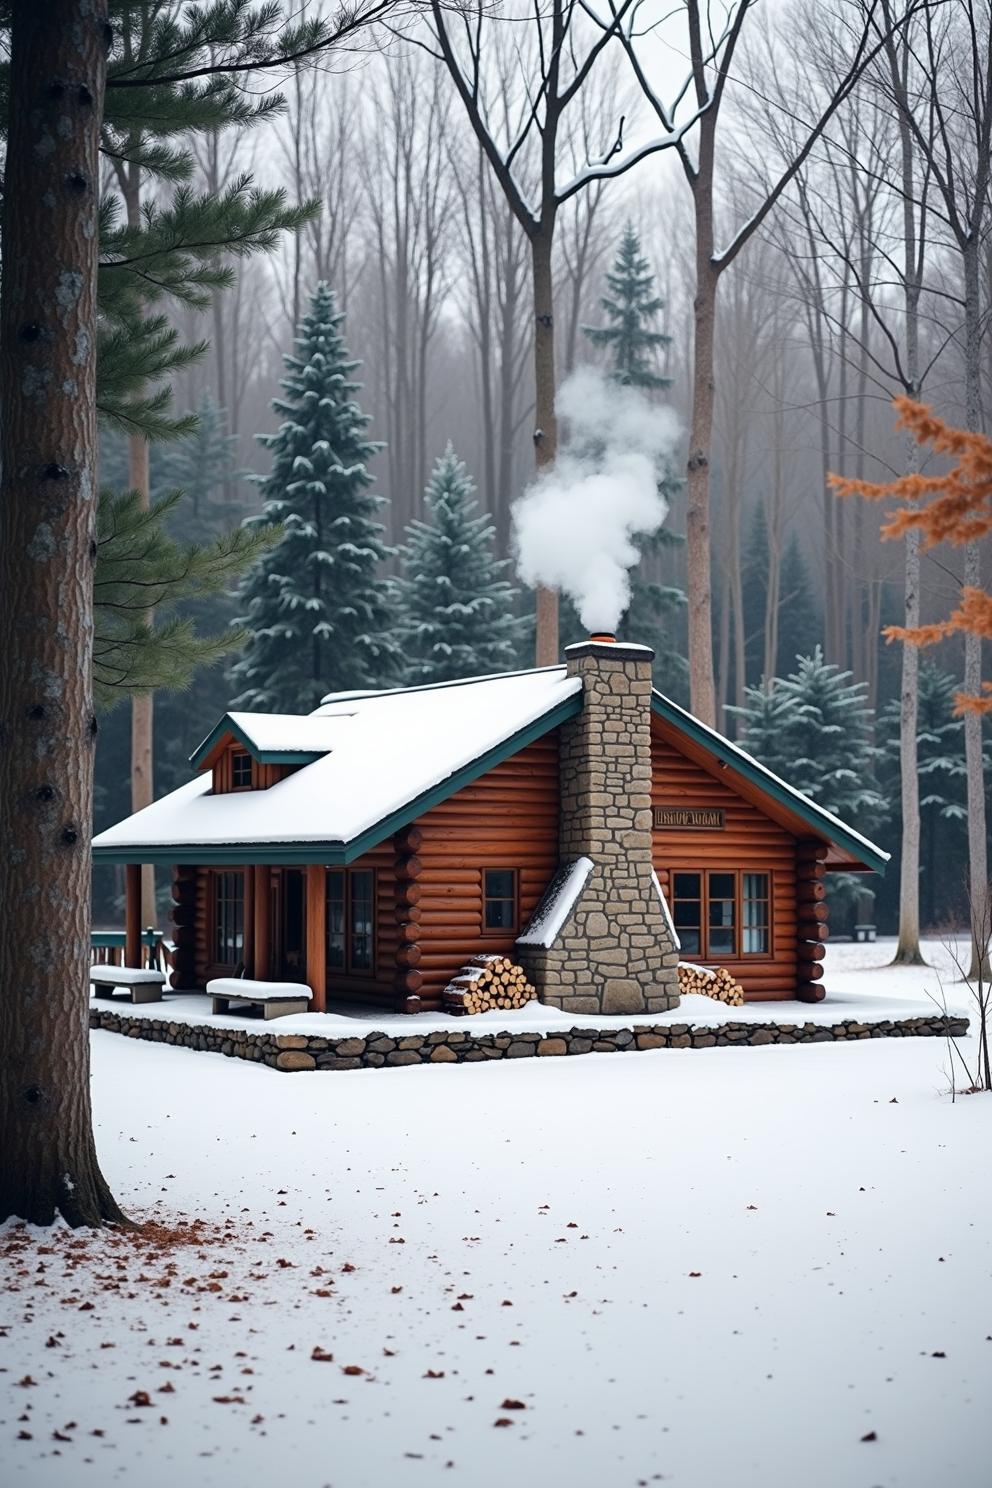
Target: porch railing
pixel 107 949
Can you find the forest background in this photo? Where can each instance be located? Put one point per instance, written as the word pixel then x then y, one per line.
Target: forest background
pixel 431 270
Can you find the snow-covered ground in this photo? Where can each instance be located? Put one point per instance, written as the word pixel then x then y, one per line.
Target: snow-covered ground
pixel 760 1266
pixel 856 982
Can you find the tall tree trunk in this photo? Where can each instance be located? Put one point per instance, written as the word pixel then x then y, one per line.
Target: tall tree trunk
pixel 143 703
pixel 978 866
pixel 545 420
pixel 908 945
pixel 702 695
pixel 48 449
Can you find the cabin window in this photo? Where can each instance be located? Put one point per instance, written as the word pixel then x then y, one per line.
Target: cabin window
pixel 499 893
pixel 241 772
pixel 756 917
pixel 350 924
pixel 721 915
pixel 229 918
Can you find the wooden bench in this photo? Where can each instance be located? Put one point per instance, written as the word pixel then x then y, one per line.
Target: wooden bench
pixel 144 986
pixel 273 999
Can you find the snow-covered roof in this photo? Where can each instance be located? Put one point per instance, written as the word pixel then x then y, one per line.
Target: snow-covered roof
pixel 371 761
pixel 274 734
pixel 379 754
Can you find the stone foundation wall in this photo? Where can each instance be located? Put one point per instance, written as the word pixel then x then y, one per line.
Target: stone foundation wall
pixel 296 1051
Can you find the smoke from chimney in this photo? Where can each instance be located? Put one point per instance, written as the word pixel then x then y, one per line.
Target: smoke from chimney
pixel 574 527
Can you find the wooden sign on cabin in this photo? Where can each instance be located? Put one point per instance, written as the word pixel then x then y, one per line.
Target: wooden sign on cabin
pixel 690 818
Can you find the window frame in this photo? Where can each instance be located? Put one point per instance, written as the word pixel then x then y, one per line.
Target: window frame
pixel 704 954
pixel 216 916
pixel 513 898
pixel 236 758
pixel 348 967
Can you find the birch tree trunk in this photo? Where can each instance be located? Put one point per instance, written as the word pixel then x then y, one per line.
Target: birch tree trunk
pixel 545 421
pixel 47 548
pixel 978 864
pixel 698 562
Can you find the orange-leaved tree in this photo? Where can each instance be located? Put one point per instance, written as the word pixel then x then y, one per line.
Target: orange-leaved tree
pixel 954 507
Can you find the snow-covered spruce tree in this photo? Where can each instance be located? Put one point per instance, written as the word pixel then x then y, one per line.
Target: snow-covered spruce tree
pixel 814 729
pixel 631 306
pixel 456 609
pixel 315 606
pixel 202 466
pixel 799 620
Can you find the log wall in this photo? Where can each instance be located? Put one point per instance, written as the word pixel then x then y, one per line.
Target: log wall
pixel 506 819
pixel 749 840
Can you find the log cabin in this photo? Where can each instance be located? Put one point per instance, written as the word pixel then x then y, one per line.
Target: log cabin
pixel 570 817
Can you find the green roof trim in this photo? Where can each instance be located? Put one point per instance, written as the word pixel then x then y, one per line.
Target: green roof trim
pixel 264 756
pixel 821 822
pixel 343 853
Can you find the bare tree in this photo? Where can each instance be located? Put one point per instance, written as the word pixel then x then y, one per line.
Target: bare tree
pixel 48 329
pixel 494 288
pixel 714 36
pixel 557 44
pixel 952 69
pixel 410 198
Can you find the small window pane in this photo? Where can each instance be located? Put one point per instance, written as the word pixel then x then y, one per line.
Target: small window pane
pixel 722 885
pixel 500 898
pixel 335 920
pixel 722 912
pixel 229 914
pixel 361 921
pixel 686 886
pixel 240 770
pixel 499 883
pixel 721 942
pixel 690 941
pixel 687 912
pixel 755 906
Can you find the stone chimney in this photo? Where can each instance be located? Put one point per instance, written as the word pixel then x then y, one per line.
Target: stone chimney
pixel 601 941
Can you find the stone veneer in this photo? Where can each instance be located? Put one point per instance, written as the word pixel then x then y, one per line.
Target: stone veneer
pixel 614 954
pixel 299 1051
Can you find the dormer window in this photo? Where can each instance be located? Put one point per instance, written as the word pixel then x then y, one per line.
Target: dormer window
pixel 241 770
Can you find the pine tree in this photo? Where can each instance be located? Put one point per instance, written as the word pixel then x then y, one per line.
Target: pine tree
pixel 315 608
pixel 456 607
pixel 754 577
pixel 201 466
pixel 799 626
pixel 814 729
pixel 943 790
pixel 632 306
pixel 653 613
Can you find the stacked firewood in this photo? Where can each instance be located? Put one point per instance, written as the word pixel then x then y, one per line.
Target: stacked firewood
pixel 716 982
pixel 487 982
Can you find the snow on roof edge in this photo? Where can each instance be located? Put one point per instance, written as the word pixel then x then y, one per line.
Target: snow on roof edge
pixel 557 903
pixel 384 692
pixel 770 774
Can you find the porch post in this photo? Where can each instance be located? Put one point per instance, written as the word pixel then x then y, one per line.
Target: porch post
pixel 261 907
pixel 132 914
pixel 316 935
pixel 248 933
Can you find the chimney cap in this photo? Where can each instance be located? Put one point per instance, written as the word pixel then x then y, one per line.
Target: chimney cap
pixel 609 647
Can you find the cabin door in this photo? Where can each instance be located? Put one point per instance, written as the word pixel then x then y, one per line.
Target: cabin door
pixel 289 925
